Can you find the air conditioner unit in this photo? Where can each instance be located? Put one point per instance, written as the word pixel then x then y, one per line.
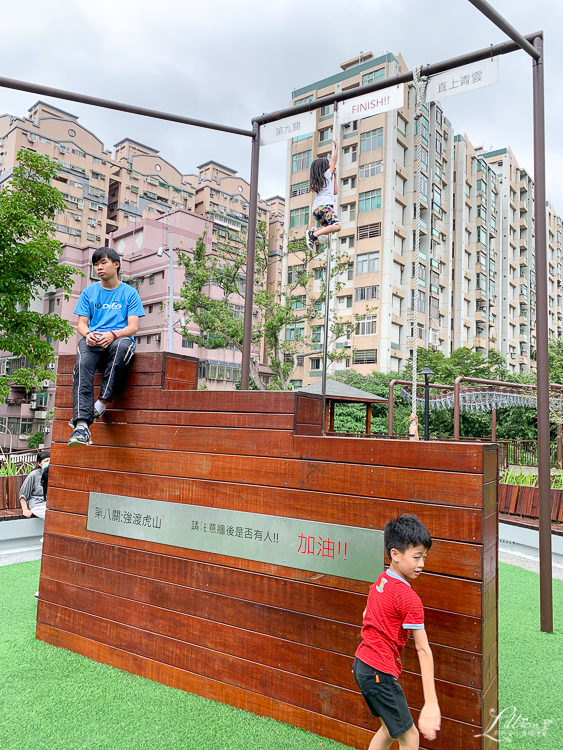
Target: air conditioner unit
pixel 62 149
pixel 51 365
pixel 33 402
pixel 445 135
pixel 157 337
pixel 46 430
pixel 255 313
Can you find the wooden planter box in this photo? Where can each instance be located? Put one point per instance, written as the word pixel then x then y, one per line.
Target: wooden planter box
pixel 524 501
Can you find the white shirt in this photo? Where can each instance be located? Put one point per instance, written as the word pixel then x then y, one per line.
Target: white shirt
pixel 326 196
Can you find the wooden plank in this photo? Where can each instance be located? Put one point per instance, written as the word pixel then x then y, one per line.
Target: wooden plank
pixel 490 464
pixel 309 429
pixel 180 368
pixel 141 362
pixel 489 500
pixel 490 530
pixel 459 457
pixel 134 379
pixel 220 440
pixel 443 522
pixel 313 695
pixel 14 486
pixel 489 599
pixel 325 726
pixel 230 401
pixel 490 632
pixel 490 666
pixel 264 421
pixel 178 385
pixel 450 664
pixel 308 410
pixel 447 488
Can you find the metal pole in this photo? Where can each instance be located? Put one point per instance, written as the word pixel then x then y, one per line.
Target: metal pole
pixel 170 293
pixel 426 409
pixel 10 83
pixel 457 383
pixel 328 272
pixel 559 444
pixel 498 20
pixel 392 385
pixel 494 426
pixel 544 479
pixel 250 259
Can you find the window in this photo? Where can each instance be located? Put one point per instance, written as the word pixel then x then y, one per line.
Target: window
pixel 436 198
pixel 482 235
pixel 316 332
pixel 296 383
pixel 294 333
pixel 370 170
pixel 439 117
pixel 300 188
pixel 149 339
pixel 301 161
pixel 326 110
pixel 98 192
pixel 299 217
pixel 348 212
pixel 325 135
pixel 315 363
pixel 294 272
pixel 423 124
pixel 187 344
pixel 424 158
pixel 363 293
pixel 350 272
pixel 369 200
pixel 51 305
pixel 318 274
pixel 238 310
pixel 151 278
pixel 371 140
pixel 349 155
pixel 347 242
pixel 367 231
pixel 434 308
pixel 366 326
pixel 298 302
pixel 344 302
pixel 438 144
pixel 374 75
pixel 365 357
pixel 349 183
pixel 367 263
pixel 304 100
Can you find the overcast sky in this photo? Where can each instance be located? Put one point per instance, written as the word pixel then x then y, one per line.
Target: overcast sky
pixel 229 61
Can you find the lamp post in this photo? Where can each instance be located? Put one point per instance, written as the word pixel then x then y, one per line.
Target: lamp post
pixel 428 373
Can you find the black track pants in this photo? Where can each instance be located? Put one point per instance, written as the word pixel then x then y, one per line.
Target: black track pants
pixel 115 358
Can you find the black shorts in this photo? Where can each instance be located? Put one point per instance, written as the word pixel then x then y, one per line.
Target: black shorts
pixel 385 698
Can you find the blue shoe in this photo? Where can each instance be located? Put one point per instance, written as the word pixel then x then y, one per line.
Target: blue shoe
pixel 80 436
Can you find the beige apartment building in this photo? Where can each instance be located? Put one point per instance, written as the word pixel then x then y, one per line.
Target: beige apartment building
pixel 476 284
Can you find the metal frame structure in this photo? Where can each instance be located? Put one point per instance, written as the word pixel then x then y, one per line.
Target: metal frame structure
pixel 532 44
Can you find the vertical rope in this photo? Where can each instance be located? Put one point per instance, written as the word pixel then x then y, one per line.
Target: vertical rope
pixel 420 87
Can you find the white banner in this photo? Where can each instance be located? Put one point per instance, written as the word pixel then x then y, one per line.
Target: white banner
pixel 459 80
pixel 290 127
pixel 371 104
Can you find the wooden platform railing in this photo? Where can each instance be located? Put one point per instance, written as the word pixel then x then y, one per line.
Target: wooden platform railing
pixel 275 640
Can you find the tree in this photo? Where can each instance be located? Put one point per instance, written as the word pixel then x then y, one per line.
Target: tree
pixel 29 264
pixel 281 319
pixel 555 354
pixel 35 440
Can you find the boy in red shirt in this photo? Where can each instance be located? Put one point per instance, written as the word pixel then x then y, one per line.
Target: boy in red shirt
pixel 393 609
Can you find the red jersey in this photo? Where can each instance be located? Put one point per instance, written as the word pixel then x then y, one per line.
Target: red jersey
pixel 393 609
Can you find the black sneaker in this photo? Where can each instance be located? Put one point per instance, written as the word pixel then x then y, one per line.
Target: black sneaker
pixel 80 436
pixel 310 239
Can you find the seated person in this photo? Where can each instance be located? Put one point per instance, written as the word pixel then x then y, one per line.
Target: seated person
pixel 33 496
pixel 108 317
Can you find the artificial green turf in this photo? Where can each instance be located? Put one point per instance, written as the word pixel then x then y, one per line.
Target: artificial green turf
pixel 52 699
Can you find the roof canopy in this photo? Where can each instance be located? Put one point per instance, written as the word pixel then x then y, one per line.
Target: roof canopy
pixel 337 391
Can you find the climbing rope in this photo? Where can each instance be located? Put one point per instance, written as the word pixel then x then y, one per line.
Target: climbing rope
pixel 420 87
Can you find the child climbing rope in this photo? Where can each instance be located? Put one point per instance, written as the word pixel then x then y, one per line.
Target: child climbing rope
pixel 323 183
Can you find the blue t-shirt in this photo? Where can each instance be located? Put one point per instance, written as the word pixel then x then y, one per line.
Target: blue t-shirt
pixel 108 309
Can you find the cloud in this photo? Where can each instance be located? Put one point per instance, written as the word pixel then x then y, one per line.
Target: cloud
pixel 227 62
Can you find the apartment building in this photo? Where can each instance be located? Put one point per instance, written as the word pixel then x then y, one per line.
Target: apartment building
pixel 377 199
pixel 476 283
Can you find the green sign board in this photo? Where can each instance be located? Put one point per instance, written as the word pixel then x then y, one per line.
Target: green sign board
pixel 346 551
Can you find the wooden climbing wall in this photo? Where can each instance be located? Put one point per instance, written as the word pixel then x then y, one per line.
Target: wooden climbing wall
pixel 274 640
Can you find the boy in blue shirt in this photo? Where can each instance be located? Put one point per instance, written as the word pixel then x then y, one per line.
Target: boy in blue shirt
pixel 108 318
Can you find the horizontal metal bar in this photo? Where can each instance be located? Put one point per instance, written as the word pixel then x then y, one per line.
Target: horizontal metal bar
pixel 498 20
pixel 72 96
pixel 504 48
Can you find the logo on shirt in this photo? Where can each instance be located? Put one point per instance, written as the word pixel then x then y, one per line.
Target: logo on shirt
pixel 381 585
pixel 108 306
